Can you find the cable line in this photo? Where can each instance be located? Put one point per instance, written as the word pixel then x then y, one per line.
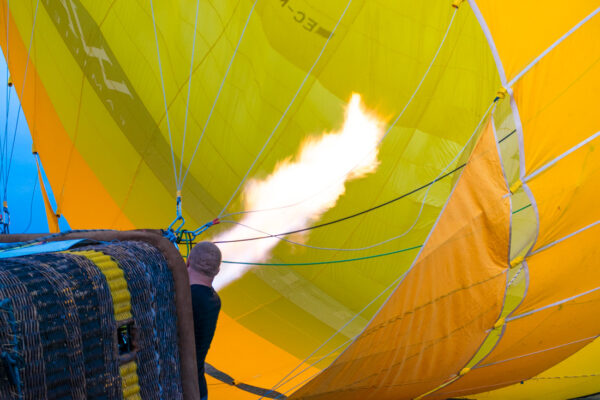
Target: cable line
pixel 335 221
pixel 324 262
pixel 283 381
pixel 337 332
pixel 392 125
pixel 35 183
pixel 187 104
pixel 368 210
pixel 4 143
pixel 37 4
pixel 286 109
pixel 218 95
pixel 522 208
pixel 162 81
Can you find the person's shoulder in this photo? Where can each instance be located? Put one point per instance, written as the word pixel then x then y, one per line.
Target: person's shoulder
pixel 207 292
pixel 201 291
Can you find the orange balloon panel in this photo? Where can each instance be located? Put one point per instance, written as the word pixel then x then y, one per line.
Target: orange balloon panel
pixel 438 317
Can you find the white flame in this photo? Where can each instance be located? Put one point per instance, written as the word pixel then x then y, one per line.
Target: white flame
pixel 324 164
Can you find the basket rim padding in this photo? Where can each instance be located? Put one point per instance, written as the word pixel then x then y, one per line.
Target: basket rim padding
pixel 183 300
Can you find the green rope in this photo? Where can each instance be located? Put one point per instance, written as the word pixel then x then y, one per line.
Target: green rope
pixel 324 262
pixel 522 208
pixel 339 261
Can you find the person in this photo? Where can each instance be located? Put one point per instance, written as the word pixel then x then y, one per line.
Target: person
pixel 203 265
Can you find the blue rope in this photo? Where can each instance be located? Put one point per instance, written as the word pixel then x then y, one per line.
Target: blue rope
pixel 169 234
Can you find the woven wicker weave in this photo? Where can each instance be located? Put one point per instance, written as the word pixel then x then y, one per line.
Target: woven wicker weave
pixel 58 332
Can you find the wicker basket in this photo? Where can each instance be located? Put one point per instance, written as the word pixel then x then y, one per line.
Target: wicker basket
pixel 98 321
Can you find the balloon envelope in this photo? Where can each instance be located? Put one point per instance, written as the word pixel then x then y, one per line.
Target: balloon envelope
pixel 462 320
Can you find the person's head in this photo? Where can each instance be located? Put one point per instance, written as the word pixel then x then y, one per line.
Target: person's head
pixel 205 259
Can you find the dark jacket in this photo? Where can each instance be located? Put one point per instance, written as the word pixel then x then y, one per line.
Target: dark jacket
pixel 206 305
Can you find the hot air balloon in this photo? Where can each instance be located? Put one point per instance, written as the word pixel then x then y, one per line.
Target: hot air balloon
pixel 458 260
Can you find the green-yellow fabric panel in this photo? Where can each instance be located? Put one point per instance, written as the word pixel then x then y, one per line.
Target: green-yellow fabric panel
pixel 381 50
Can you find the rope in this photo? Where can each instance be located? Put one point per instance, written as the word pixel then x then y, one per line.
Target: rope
pixel 427 185
pixel 283 381
pixel 162 81
pixel 4 143
pixel 514 278
pixel 391 285
pixel 348 216
pixel 218 93
pixel 507 136
pixel 297 385
pixel 352 215
pixel 324 262
pixel 283 239
pixel 286 109
pixel 37 4
pixel 187 104
pixel 522 208
pixel 536 352
pixel 169 234
pixel 563 377
pixel 35 183
pixel 385 134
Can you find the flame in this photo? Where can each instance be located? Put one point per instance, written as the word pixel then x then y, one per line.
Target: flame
pixel 324 163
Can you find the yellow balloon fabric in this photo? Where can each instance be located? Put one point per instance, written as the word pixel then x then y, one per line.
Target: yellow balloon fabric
pixel 93 99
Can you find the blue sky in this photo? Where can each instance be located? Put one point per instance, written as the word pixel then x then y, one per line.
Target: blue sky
pixel 25 200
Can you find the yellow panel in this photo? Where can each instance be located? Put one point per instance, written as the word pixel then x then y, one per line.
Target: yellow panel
pixel 531 345
pixel 558 100
pixel 510 21
pixel 574 377
pixel 566 193
pixel 438 317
